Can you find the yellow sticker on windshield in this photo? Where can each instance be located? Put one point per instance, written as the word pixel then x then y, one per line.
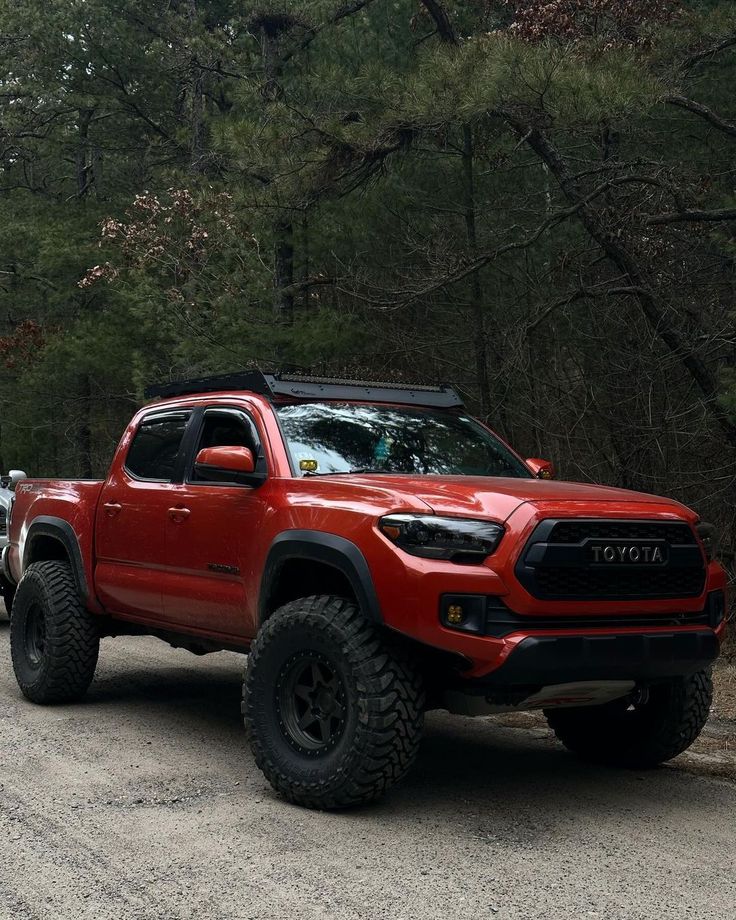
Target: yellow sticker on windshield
pixel 308 466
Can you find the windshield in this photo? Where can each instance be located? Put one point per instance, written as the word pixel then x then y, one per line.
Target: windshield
pixel 345 437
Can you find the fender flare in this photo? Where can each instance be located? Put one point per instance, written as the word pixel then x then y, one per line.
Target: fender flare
pixel 63 532
pixel 328 549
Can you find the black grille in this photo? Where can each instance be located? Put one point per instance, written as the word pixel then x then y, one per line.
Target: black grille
pixel 564 582
pixel 577 531
pixel 3 522
pixel 557 563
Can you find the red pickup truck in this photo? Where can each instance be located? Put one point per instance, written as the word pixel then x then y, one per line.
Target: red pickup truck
pixel 378 553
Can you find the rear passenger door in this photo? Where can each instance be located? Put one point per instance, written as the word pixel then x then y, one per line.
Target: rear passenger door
pixel 214 537
pixel 133 509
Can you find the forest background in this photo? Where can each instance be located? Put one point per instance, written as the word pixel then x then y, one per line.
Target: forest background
pixel 531 199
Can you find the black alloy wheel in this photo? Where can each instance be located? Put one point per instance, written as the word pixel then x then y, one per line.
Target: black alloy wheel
pixel 310 703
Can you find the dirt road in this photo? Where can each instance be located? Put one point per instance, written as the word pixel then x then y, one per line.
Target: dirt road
pixel 145 803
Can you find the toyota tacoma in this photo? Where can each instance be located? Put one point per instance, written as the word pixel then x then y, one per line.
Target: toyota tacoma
pixel 377 553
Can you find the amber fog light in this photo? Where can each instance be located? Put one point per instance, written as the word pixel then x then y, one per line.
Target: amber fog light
pixel 465 612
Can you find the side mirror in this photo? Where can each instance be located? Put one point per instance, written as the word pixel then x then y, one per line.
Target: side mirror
pixel 14 477
pixel 542 469
pixel 228 464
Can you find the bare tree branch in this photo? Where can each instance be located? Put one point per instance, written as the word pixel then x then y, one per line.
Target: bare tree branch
pixel 469 267
pixel 674 217
pixel 342 12
pixel 704 112
pixel 657 313
pixel 708 54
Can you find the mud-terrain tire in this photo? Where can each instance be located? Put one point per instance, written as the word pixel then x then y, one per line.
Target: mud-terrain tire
pixel 54 640
pixel 666 721
pixel 334 714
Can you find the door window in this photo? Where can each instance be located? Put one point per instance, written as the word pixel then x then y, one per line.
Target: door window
pixel 155 447
pixel 227 428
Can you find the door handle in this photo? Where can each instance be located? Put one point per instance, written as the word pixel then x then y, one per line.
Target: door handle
pixel 179 515
pixel 112 508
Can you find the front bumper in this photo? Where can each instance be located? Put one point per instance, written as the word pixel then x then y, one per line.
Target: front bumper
pixel 642 657
pixel 516 615
pixel 508 650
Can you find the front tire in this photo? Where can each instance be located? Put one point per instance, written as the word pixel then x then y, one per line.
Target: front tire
pixel 54 640
pixel 334 715
pixel 653 727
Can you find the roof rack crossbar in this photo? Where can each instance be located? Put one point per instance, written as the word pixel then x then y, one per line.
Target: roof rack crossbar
pixel 301 386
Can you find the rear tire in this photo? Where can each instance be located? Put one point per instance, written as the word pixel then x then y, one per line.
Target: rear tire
pixel 54 639
pixel 334 715
pixel 640 734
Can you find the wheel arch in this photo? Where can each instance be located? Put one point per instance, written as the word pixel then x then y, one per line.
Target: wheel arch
pixel 306 555
pixel 52 538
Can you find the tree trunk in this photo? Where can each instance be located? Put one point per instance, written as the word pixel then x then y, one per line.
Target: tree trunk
pixel 197 143
pixel 446 32
pixel 283 260
pixel 83 160
pixel 283 276
pixel 476 293
pixel 84 431
pixel 270 57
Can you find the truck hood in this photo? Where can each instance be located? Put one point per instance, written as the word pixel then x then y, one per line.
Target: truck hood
pixel 497 497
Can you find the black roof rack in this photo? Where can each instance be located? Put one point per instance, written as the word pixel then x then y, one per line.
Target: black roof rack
pixel 301 386
pixel 253 381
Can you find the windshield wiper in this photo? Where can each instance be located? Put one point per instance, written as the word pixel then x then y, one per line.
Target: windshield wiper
pixel 359 469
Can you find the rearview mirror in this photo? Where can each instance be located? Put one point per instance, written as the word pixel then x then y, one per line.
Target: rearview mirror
pixel 229 464
pixel 542 469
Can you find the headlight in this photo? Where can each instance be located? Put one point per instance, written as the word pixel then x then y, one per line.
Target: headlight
pixel 457 539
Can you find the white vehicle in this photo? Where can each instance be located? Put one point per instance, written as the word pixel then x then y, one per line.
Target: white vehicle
pixel 7 486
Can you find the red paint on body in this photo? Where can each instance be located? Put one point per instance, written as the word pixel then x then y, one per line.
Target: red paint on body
pixel 190 557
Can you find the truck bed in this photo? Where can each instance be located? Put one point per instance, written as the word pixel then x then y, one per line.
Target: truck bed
pixel 72 502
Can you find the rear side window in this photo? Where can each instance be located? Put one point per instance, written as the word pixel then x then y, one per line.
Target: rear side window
pixel 155 446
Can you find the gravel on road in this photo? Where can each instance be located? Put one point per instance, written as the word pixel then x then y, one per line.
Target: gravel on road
pixel 144 803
